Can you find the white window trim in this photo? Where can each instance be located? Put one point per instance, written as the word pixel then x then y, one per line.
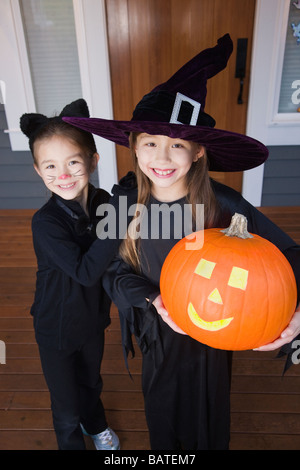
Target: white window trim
pixel 263 121
pixel 90 23
pixel 15 72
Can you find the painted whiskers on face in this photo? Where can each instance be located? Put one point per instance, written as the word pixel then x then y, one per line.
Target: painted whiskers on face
pixel 50 178
pixel 64 168
pixel 79 173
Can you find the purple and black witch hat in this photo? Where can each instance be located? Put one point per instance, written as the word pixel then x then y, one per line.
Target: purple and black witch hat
pixel 176 109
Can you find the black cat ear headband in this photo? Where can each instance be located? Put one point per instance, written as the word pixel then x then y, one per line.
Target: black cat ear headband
pixel 32 123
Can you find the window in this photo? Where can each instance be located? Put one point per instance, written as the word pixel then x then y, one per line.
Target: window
pixel 54 51
pixel 49 30
pixel 289 100
pixel 269 118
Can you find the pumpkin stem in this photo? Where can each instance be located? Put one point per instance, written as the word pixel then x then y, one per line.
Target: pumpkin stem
pixel 238 227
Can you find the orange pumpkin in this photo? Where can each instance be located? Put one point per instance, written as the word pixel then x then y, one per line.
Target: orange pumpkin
pixel 237 292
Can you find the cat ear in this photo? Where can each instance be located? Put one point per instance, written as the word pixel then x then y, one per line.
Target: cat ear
pixel 30 122
pixel 78 108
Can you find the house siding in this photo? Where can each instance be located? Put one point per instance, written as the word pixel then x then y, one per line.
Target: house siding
pixel 20 186
pixel 281 184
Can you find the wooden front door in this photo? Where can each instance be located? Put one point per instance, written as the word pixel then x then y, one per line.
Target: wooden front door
pixel 150 39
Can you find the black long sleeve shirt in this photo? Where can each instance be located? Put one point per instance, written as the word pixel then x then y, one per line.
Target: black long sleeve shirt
pixel 131 292
pixel 70 303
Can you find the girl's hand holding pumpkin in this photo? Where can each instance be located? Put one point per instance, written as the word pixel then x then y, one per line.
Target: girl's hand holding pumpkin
pixel 158 304
pixel 290 333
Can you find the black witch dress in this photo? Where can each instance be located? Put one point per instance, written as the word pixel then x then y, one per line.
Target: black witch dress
pixel 186 384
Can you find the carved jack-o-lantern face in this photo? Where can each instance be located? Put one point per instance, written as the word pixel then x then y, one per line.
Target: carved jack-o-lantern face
pixel 232 294
pixel 238 279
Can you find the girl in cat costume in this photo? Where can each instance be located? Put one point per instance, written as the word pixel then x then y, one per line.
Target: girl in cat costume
pixel 71 309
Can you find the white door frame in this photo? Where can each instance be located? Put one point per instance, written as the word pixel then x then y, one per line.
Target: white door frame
pixel 263 121
pixel 90 22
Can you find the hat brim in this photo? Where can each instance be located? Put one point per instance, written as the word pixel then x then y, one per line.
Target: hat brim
pixel 227 151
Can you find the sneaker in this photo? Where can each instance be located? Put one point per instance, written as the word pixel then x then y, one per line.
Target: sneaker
pixel 106 440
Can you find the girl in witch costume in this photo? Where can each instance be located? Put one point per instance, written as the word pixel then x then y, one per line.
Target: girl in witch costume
pixel 71 308
pixel 186 384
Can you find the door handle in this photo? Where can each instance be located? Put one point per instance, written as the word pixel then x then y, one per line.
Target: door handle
pixel 240 68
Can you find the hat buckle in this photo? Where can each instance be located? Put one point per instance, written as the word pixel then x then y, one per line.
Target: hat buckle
pixel 180 98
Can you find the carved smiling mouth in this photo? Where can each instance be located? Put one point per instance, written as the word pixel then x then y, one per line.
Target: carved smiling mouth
pixel 207 325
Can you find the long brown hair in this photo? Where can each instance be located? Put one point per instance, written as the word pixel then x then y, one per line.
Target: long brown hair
pixel 199 191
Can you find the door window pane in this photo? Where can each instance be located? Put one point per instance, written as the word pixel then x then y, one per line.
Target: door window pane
pixel 49 28
pixel 289 101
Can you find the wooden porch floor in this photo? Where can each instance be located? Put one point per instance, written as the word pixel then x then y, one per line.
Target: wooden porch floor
pixel 265 406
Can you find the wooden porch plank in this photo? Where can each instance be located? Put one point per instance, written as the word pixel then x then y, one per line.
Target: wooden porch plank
pixel 265 405
pixel 113 400
pixel 45 440
pixel 244 441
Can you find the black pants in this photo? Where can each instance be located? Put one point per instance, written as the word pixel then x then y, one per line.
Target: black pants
pixel 75 384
